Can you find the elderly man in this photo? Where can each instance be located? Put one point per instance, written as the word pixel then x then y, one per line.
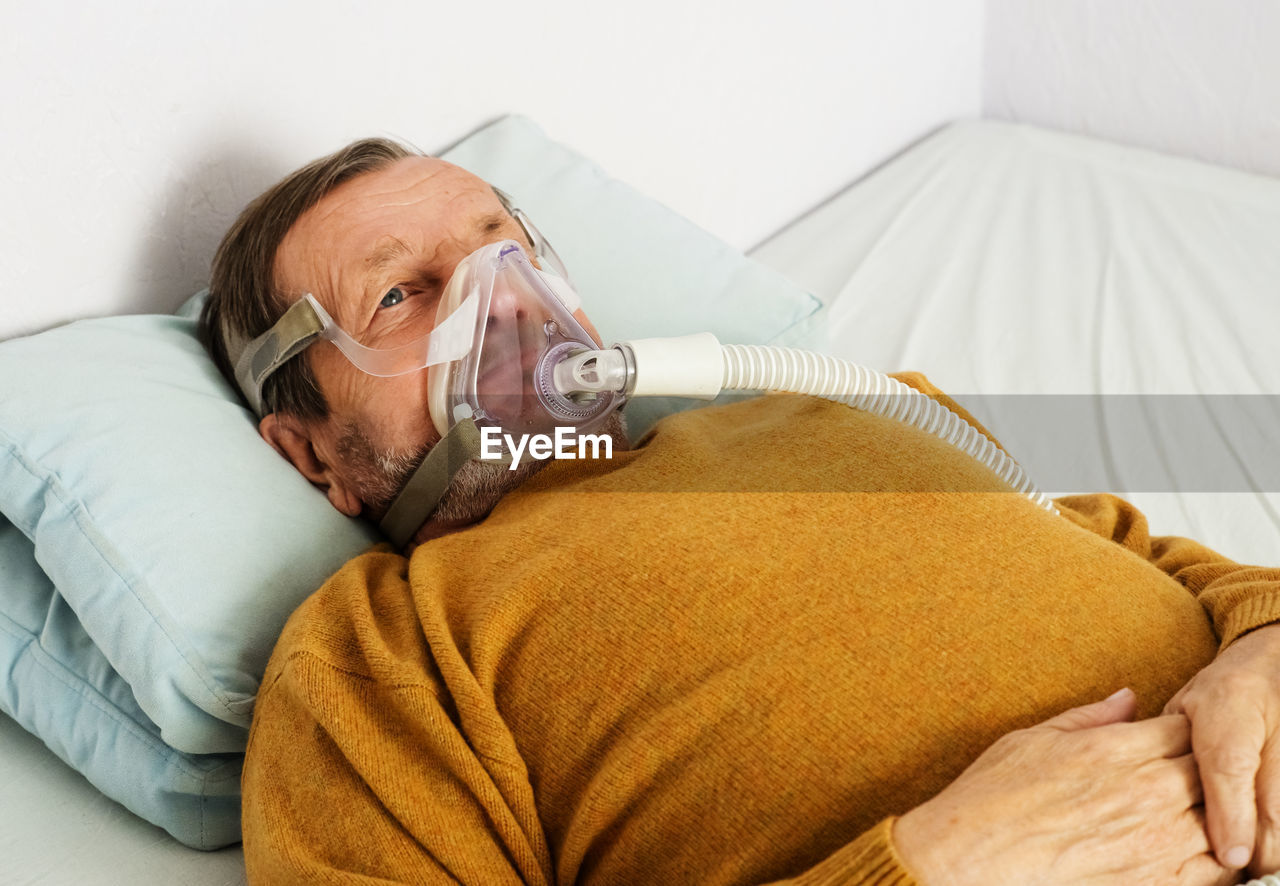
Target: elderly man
pixel 585 674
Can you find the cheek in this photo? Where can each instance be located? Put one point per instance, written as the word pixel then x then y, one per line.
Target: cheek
pixel 581 317
pixel 392 412
pixel 406 416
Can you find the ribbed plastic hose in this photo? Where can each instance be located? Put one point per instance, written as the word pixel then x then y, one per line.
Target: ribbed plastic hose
pixel 790 370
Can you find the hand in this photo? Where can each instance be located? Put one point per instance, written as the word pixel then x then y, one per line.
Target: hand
pixel 1234 709
pixel 1083 798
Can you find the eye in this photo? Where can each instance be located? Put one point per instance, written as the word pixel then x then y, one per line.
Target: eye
pixel 392 298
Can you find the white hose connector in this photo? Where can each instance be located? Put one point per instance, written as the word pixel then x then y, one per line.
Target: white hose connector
pixel 685 366
pixel 789 370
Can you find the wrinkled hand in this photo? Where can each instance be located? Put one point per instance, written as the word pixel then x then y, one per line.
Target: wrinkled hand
pixel 1083 798
pixel 1234 709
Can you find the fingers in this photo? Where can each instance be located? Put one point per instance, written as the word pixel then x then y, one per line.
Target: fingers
pixel 1266 854
pixel 1228 748
pixel 1174 705
pixel 1190 790
pixel 1158 737
pixel 1201 868
pixel 1178 852
pixel 1204 870
pixel 1147 739
pixel 1118 708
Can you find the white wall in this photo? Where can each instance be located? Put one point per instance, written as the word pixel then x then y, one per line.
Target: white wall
pixel 135 130
pixel 1193 77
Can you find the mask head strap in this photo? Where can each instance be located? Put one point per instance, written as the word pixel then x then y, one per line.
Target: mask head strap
pixel 254 361
pixel 430 481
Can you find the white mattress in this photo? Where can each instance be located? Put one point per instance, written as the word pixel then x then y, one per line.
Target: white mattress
pixel 1002 259
pixel 56 828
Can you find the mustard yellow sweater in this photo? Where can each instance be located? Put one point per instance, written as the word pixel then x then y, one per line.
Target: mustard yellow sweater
pixel 609 682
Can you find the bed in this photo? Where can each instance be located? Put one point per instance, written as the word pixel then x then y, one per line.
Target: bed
pixel 1013 265
pixel 1027 271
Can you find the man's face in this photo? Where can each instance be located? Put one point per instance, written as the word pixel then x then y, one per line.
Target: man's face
pixel 377 253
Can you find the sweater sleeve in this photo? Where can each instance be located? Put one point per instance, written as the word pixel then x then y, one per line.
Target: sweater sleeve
pixel 360 767
pixel 870 860
pixel 1239 598
pixel 350 782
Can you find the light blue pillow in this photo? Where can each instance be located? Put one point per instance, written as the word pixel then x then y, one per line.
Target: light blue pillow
pixel 58 685
pixel 153 546
pixel 162 546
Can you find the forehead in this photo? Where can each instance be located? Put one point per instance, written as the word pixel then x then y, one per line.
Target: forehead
pixel 422 198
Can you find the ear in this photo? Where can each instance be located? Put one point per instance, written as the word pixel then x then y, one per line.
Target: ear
pixel 293 440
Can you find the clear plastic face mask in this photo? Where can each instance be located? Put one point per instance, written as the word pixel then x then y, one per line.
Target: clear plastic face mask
pixel 501 327
pixel 522 326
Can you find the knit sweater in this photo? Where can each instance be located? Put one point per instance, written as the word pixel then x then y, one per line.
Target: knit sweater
pixel 610 680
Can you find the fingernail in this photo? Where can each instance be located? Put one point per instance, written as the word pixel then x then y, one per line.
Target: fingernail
pixel 1237 857
pixel 1125 691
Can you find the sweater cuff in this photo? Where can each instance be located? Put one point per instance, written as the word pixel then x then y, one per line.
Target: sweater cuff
pixel 870 860
pixel 1250 614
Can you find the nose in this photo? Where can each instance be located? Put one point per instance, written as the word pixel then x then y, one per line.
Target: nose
pixel 505 306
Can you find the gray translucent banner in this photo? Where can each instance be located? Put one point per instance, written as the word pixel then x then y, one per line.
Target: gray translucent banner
pixel 1113 443
pixel 1139 443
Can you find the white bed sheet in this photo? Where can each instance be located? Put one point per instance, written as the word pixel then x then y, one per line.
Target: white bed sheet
pixel 1003 259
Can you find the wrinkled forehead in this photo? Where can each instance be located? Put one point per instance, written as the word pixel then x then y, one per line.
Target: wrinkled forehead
pixel 420 198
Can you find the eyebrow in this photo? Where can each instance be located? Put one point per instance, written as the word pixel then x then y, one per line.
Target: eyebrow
pixel 492 221
pixel 391 249
pixel 387 251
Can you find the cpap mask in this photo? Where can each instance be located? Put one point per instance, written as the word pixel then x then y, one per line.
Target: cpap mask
pixel 504 351
pixel 510 325
pixel 490 348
